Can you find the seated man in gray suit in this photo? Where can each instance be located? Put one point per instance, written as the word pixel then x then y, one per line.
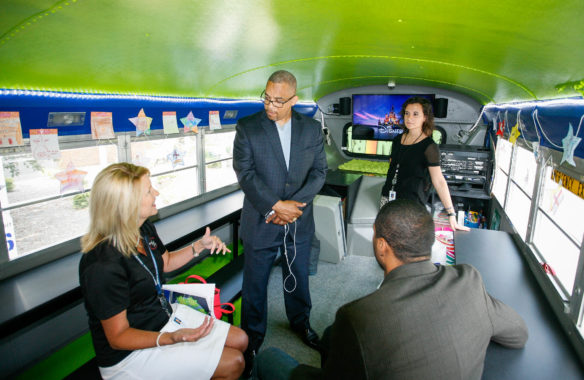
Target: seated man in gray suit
pixel 424 321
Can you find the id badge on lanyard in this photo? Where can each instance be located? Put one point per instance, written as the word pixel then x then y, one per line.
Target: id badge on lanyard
pixel 392 193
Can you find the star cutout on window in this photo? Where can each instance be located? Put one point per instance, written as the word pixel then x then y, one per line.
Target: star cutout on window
pixel 569 143
pixel 142 123
pixel 514 134
pixel 191 122
pixel 71 178
pixel 176 158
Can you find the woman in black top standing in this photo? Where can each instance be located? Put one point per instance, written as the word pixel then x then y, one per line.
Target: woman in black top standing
pixel 414 164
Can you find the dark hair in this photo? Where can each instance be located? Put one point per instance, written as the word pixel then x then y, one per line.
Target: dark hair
pixel 283 76
pixel 407 227
pixel 428 126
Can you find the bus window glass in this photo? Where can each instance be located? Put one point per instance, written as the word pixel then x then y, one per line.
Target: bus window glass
pixel 503 155
pixel 176 186
pixel 500 186
pixel 220 174
pixel 517 208
pixel 164 155
pixel 219 146
pixel 557 250
pixel 525 170
pixel 563 206
pixel 219 160
pixel 46 202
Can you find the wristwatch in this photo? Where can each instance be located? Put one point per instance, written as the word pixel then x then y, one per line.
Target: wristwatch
pixel 272 212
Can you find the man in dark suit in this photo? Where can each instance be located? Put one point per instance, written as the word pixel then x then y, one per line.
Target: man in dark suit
pixel 424 321
pixel 279 159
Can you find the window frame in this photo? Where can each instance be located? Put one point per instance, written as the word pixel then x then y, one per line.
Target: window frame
pixel 123 142
pixel 568 307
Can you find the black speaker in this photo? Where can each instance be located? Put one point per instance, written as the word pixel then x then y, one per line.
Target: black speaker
pixel 440 107
pixel 345 106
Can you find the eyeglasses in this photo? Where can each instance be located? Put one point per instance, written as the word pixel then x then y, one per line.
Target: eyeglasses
pixel 276 102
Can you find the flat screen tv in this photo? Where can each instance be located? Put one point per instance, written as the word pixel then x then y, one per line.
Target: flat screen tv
pixel 380 115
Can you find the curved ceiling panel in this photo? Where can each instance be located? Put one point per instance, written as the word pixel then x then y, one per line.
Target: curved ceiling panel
pixel 493 51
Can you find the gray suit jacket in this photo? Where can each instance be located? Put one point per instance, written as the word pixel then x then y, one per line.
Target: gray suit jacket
pixel 259 163
pixel 424 322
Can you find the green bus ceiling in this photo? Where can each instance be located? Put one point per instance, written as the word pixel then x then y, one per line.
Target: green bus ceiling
pixel 493 51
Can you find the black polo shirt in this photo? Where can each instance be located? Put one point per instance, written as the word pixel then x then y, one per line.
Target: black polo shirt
pixel 111 283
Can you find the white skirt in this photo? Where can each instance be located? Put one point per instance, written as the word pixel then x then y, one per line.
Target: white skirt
pixel 188 360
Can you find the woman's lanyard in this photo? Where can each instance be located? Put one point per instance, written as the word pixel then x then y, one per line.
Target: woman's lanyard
pixel 156 279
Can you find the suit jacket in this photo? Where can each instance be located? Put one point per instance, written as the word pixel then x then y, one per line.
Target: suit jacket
pixel 424 322
pixel 259 163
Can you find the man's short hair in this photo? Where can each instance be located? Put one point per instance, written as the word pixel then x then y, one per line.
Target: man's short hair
pixel 283 76
pixel 407 227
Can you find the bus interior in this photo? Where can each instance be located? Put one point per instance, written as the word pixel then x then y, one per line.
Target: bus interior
pixel 84 84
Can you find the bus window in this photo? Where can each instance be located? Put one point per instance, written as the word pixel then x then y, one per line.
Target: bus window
pixel 173 167
pixel 45 201
pixel 219 160
pixel 502 163
pixel 559 230
pixel 524 170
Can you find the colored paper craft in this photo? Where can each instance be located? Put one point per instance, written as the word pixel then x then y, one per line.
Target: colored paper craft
pixel 142 123
pixel 557 198
pixel 102 126
pixel 44 144
pixel 141 160
pixel 169 123
pixel 501 128
pixel 191 122
pixel 569 143
pixel 214 120
pixel 176 158
pixel 10 129
pixel 514 134
pixel 71 178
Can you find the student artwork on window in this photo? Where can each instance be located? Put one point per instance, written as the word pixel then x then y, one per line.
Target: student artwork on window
pixel 141 160
pixel 214 120
pixel 569 144
pixel 10 236
pixel 556 198
pixel 44 144
pixel 176 158
pixel 514 134
pixel 142 123
pixel 191 123
pixel 10 129
pixel 71 178
pixel 500 128
pixel 102 126
pixel 169 123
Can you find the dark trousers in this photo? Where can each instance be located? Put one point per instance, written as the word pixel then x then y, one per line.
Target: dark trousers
pixel 257 266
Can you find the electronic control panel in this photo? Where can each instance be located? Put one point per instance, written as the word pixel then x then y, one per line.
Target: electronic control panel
pixel 466 167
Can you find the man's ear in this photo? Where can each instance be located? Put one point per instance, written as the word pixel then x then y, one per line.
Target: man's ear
pixel 381 245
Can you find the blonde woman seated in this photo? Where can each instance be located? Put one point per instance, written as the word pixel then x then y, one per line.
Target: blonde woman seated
pixel 136 333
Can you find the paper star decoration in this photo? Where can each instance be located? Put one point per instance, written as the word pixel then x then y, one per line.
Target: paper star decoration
pixel 190 122
pixel 176 158
pixel 71 178
pixel 142 123
pixel 569 143
pixel 514 134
